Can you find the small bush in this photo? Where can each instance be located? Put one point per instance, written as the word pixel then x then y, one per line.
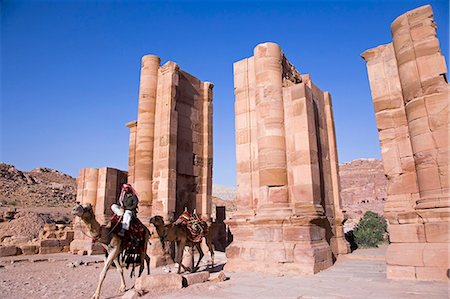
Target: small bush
pixel 370 230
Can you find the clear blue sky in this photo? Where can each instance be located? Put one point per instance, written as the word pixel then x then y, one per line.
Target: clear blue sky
pixel 70 69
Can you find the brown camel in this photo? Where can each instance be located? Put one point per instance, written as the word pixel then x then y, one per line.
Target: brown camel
pixel 180 234
pixel 112 242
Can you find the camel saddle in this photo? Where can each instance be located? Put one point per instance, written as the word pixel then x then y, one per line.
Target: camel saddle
pixel 197 228
pixel 133 241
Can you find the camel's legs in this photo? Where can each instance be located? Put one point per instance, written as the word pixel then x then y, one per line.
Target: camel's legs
pixel 200 252
pixel 112 255
pixel 211 250
pixel 180 249
pixel 144 258
pixel 122 279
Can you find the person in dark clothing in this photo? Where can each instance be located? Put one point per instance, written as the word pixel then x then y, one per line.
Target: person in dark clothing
pixel 128 201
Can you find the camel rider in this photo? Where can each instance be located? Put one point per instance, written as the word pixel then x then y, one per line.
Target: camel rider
pixel 128 207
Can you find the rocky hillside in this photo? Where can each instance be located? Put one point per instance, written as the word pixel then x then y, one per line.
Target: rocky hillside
pixel 224 192
pixel 40 187
pixel 363 188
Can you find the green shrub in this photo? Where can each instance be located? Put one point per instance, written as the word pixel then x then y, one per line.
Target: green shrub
pixel 370 230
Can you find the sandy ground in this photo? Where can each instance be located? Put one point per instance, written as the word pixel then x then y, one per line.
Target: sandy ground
pixel 359 275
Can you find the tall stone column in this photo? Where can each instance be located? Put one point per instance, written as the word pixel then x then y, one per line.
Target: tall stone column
pixel 422 70
pixel 271 134
pixel 145 133
pixel 338 243
pixel 392 125
pixel 410 96
pixel 165 146
pixel 204 207
pixel 247 174
pixel 132 151
pixel 90 186
pixel 303 157
pixel 280 225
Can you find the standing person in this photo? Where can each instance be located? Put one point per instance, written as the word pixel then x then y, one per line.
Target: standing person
pixel 128 201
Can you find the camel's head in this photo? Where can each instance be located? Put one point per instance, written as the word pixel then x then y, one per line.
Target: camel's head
pixel 157 221
pixel 82 211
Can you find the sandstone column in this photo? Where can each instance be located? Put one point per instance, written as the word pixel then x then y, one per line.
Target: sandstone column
pixel 271 135
pixel 165 146
pixel 247 173
pixel 145 132
pixel 422 69
pixel 132 151
pixel 410 95
pixel 280 225
pixel 303 152
pixel 90 186
pixel 204 206
pixel 338 244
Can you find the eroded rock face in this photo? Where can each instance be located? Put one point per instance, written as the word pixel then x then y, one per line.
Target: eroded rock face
pixel 362 181
pixel 363 188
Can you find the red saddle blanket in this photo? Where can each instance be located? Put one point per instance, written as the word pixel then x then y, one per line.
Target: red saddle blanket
pixel 134 239
pixel 198 228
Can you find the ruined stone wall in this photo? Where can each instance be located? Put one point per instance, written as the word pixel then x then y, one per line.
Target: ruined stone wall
pixel 411 94
pixel 173 138
pixel 288 214
pixel 101 188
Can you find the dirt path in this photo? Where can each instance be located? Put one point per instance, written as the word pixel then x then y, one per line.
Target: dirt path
pixel 359 275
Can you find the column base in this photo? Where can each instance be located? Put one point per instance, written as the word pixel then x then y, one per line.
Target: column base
pixel 292 245
pixel 420 242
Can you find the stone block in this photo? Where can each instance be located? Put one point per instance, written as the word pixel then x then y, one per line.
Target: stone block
pixel 193 278
pixel 49 243
pixel 29 249
pixel 404 183
pixel 439 120
pixel 407 233
pixel 405 254
pixel 431 66
pixel 408 164
pixel 429 179
pixel 303 233
pixel 147 283
pixel 416 109
pixel 437 232
pixel 436 255
pixel 265 233
pixel 432 273
pixel 278 194
pixel 400 272
pixel 391 159
pixel 50 227
pixel 441 138
pixel 48 250
pixel 437 103
pixel 419 126
pixel 9 250
pixel 390 118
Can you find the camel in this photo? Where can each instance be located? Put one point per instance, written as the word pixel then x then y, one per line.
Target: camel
pixel 181 236
pixel 113 244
